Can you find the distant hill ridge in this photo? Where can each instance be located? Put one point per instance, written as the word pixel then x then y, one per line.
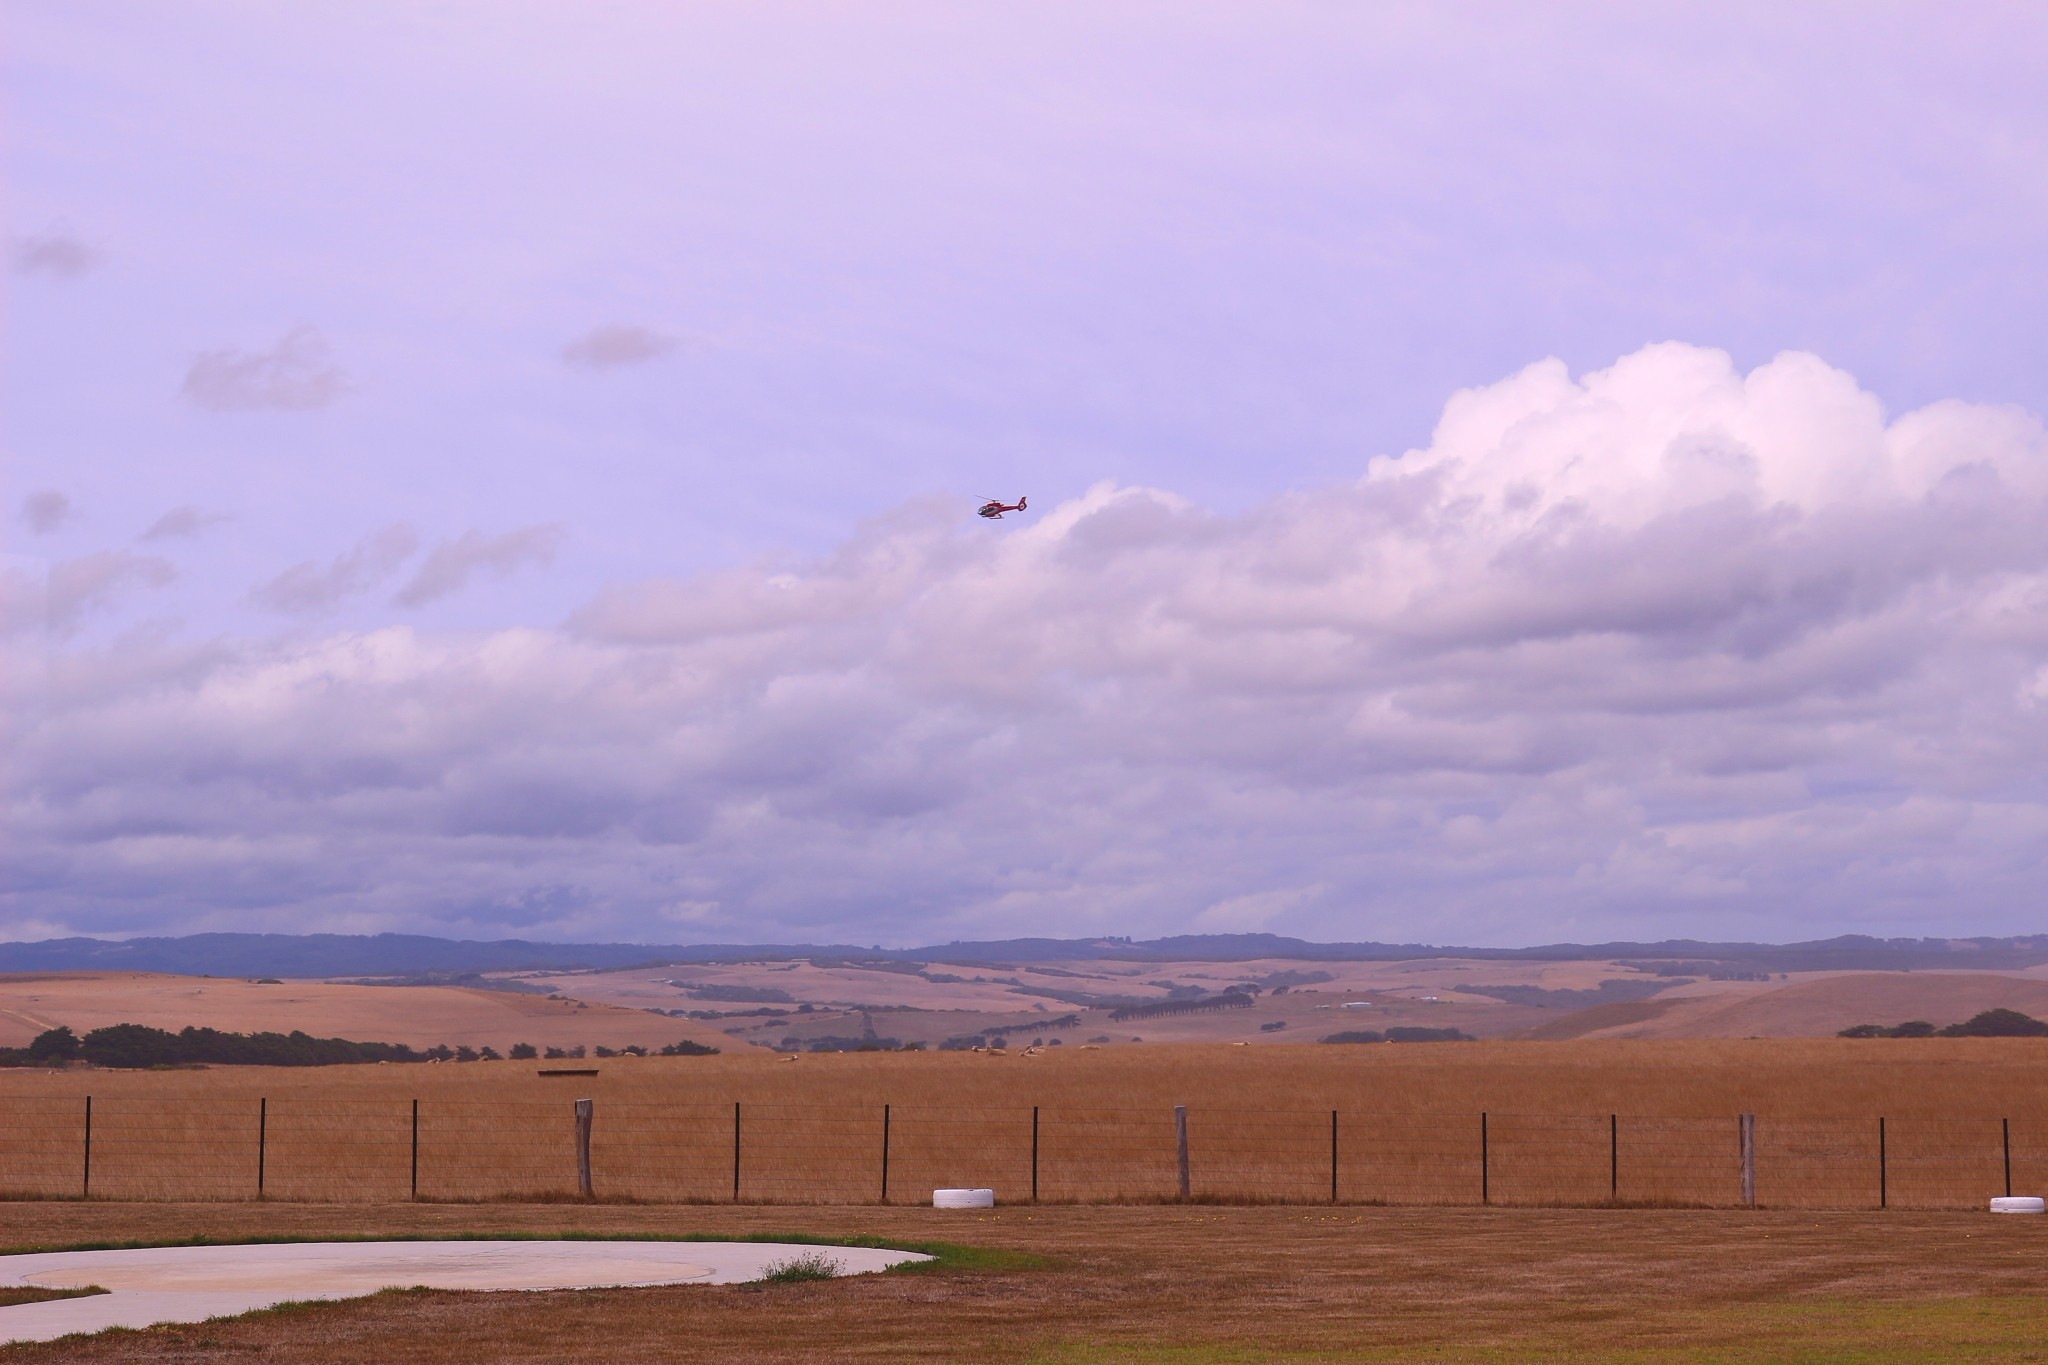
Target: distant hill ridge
pixel 408 955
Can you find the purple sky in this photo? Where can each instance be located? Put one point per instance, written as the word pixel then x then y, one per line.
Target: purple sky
pixel 1498 474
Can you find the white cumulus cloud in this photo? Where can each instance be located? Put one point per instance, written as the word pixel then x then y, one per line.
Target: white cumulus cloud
pixel 1663 649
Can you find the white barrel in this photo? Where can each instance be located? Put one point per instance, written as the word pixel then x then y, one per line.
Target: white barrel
pixel 973 1199
pixel 2017 1203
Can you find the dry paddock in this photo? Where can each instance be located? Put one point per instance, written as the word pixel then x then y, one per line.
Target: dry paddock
pixel 1158 1283
pixel 1563 1123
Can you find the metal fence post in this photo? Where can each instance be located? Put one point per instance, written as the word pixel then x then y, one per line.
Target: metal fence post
pixel 1613 1157
pixel 2005 1141
pixel 1883 1191
pixel 262 1140
pixel 415 1151
pixel 1180 1144
pixel 885 1154
pixel 735 1151
pixel 85 1190
pixel 1034 1154
pixel 1333 1156
pixel 1746 1127
pixel 583 1116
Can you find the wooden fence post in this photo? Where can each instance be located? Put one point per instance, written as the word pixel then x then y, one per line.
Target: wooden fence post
pixel 262 1140
pixel 1745 1125
pixel 735 1151
pixel 2005 1140
pixel 1180 1144
pixel 415 1151
pixel 1883 1180
pixel 1613 1158
pixel 1485 1173
pixel 85 1190
pixel 1333 1156
pixel 1034 1154
pixel 583 1116
pixel 885 1154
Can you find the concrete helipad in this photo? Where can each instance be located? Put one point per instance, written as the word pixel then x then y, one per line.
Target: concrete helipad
pixel 191 1284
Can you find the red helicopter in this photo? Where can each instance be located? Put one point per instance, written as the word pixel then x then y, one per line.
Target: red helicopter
pixel 994 508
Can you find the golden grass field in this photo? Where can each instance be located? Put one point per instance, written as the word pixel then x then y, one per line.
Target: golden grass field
pixel 1259 1120
pixel 1157 1285
pixel 420 1016
pixel 1347 995
pixel 617 1009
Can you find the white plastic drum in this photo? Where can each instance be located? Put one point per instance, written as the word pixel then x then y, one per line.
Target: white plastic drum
pixel 980 1199
pixel 2017 1203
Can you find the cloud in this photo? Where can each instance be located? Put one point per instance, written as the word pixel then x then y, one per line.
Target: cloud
pixel 57 253
pixel 47 510
pixel 1663 649
pixel 78 587
pixel 605 348
pixel 295 375
pixel 311 589
pixel 181 522
pixel 450 566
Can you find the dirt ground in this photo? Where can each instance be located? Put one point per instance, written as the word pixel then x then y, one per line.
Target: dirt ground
pixel 1162 1284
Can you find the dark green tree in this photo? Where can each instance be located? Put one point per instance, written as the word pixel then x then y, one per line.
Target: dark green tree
pixel 52 1046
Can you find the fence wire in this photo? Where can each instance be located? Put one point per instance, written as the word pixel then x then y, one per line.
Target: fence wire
pixel 293 1148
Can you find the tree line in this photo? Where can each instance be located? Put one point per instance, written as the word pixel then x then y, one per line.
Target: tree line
pixel 1999 1023
pixel 133 1046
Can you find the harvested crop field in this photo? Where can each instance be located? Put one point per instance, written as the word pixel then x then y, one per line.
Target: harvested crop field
pixel 1527 1123
pixel 420 1016
pixel 1166 1284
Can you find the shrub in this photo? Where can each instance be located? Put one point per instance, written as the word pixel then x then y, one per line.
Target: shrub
pixel 688 1048
pixel 812 1265
pixel 1402 1034
pixel 523 1052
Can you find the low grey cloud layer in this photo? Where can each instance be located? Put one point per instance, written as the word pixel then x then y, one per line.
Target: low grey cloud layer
pixel 1667 647
pixel 298 374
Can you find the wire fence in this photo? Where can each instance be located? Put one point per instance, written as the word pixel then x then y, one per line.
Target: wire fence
pixel 379 1150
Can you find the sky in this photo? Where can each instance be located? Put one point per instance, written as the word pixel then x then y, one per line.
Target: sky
pixel 1498 474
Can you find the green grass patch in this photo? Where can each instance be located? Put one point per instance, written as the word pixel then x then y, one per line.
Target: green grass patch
pixel 13 1294
pixel 814 1265
pixel 1991 1330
